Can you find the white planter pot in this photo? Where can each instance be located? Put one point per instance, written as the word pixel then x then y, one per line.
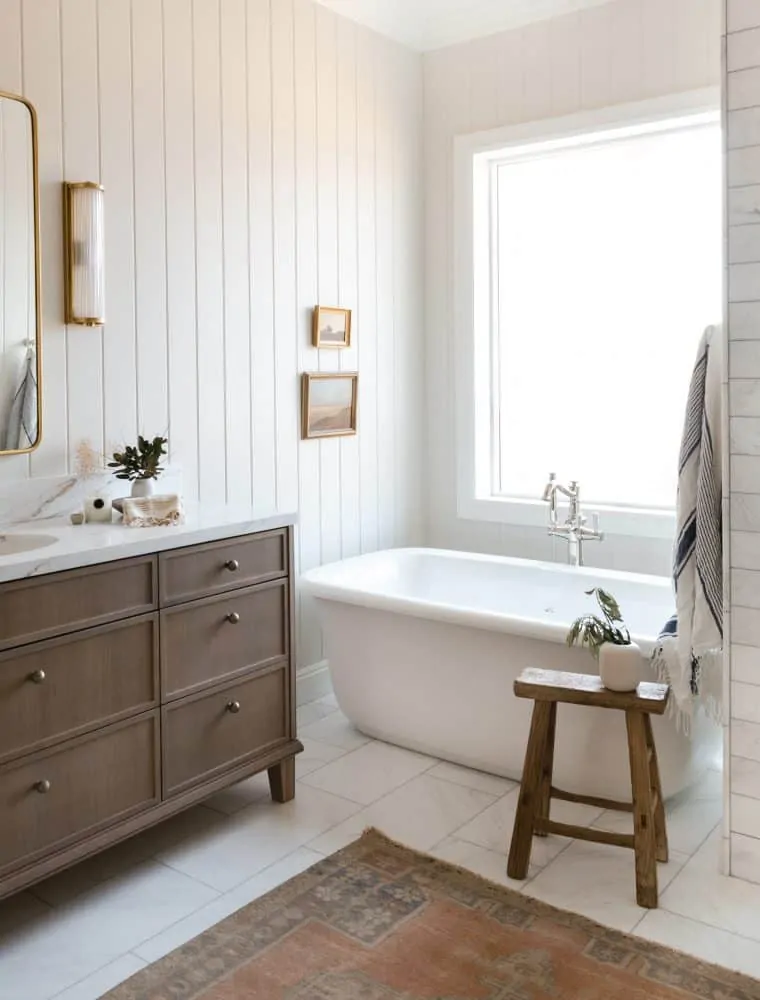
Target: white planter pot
pixel 142 488
pixel 620 666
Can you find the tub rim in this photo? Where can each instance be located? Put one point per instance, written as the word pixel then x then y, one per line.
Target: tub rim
pixel 321 583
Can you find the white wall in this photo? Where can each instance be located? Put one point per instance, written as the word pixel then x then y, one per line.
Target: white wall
pixel 257 157
pixel 743 198
pixel 624 51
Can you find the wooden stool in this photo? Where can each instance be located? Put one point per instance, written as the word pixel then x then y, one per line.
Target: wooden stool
pixel 649 839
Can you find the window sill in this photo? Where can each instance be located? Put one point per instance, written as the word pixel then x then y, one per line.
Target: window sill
pixel 637 523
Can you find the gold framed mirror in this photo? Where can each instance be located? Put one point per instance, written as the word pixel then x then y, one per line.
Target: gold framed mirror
pixel 20 279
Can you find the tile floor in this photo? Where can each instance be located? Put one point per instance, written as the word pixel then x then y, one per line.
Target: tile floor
pixel 80 933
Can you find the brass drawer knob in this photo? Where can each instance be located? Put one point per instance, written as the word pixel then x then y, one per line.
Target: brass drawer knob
pixel 233 707
pixel 38 677
pixel 232 565
pixel 43 787
pixel 233 617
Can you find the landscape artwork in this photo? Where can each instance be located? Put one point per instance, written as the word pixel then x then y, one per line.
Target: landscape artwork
pixel 332 327
pixel 329 404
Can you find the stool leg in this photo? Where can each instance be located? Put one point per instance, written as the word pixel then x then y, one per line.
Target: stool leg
pixel 643 817
pixel 544 799
pixel 530 791
pixel 660 829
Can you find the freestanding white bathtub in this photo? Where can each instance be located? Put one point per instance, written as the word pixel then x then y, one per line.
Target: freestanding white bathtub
pixel 424 646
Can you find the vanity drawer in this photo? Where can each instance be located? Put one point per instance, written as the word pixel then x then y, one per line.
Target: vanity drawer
pixel 207 641
pixel 187 574
pixel 57 797
pixel 209 733
pixel 60 688
pixel 64 602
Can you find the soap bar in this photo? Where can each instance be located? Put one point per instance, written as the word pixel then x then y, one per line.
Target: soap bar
pixel 98 510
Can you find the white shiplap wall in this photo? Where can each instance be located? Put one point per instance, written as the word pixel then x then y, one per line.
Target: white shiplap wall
pixel 624 51
pixel 743 203
pixel 258 156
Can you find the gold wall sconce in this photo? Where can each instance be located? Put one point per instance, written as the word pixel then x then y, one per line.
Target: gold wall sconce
pixel 84 252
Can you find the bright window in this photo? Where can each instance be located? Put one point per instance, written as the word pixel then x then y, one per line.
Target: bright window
pixel 605 266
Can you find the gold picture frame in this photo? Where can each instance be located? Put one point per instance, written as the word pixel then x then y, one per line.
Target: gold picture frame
pixel 329 404
pixel 331 328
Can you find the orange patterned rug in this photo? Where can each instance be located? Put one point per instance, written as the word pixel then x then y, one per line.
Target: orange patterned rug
pixel 380 922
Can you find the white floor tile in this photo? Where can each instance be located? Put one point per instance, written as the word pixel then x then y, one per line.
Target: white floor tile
pixel 706 943
pixel 220 908
pixel 493 828
pixel 312 712
pixel 236 797
pixel 95 986
pixel 49 954
pixel 419 814
pixel 316 755
pixel 103 919
pixel 336 730
pixel 72 882
pixel 256 837
pixel 366 774
pixel 490 864
pixel 702 893
pixel 472 779
pixel 597 881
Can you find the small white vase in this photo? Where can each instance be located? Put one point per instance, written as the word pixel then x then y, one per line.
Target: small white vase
pixel 142 488
pixel 620 666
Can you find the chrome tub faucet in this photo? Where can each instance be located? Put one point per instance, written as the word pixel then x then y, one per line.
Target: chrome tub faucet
pixel 574 528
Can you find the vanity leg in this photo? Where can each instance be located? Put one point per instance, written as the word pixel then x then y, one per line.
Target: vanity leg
pixel 282 780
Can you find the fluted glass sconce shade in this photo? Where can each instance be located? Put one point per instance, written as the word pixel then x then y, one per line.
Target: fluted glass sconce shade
pixel 84 248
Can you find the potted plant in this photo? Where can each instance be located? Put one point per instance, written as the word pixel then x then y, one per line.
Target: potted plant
pixel 140 465
pixel 610 643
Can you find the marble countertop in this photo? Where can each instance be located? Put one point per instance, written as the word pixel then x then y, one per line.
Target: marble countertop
pixel 90 544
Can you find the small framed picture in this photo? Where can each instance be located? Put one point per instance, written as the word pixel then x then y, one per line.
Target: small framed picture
pixel 332 327
pixel 329 404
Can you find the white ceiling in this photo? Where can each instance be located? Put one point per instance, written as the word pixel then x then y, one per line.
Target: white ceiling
pixel 433 24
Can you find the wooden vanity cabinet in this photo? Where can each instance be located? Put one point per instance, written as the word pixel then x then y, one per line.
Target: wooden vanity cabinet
pixel 133 689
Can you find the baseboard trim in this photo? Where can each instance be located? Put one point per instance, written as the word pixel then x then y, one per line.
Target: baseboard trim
pixel 313 682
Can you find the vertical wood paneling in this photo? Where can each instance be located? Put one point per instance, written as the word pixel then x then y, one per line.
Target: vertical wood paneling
pixel 284 207
pixel 260 216
pixel 150 218
pixel 259 156
pixel 237 320
pixel 348 235
pixel 386 333
pixel 209 259
pixel 81 162
pixel 42 85
pixel 182 318
pixel 327 256
pixel 307 295
pixel 366 317
pixel 116 157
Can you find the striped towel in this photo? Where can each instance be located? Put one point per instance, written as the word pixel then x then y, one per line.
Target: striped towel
pixel 689 650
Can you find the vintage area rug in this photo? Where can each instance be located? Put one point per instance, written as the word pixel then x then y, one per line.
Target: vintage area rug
pixel 380 922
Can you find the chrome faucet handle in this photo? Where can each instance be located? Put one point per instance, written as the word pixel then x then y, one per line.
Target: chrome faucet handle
pixel 549 488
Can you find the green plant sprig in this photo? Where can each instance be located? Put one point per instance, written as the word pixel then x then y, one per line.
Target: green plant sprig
pixel 142 462
pixel 592 631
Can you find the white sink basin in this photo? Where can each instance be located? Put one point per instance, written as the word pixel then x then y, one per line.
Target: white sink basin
pixel 12 544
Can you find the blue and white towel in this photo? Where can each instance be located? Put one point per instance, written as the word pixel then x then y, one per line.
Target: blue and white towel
pixel 689 652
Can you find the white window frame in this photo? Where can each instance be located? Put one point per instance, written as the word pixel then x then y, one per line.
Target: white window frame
pixel 472 306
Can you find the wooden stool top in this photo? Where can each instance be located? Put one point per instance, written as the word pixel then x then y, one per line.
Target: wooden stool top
pixel 587 689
